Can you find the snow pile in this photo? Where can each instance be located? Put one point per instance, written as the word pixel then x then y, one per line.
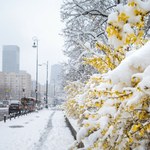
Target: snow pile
pixel 135 63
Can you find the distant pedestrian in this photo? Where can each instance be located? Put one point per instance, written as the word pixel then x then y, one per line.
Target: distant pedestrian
pixel 4 118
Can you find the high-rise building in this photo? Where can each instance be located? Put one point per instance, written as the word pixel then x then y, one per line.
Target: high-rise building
pixel 55 86
pixel 10 58
pixel 56 70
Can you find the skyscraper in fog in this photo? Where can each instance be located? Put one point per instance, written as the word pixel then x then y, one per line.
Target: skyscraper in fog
pixel 55 80
pixel 10 58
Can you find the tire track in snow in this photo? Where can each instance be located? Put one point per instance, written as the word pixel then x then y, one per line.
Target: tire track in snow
pixel 45 134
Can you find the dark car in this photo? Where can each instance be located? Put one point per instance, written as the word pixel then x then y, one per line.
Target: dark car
pixel 15 107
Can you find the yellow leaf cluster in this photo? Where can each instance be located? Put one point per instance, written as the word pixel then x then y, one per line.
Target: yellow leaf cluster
pixel 98 63
pixel 130 140
pixel 130 39
pixel 132 4
pixel 138 12
pixel 98 104
pixel 136 127
pixel 110 60
pixel 105 145
pixel 123 17
pixel 115 29
pixel 142 115
pixel 135 81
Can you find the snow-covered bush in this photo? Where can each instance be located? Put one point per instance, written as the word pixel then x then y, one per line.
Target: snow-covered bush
pixel 125 31
pixel 113 108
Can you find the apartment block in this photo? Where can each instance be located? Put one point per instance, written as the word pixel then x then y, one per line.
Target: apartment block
pixel 15 85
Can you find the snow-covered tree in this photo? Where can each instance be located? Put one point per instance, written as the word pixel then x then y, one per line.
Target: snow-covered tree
pixel 85 22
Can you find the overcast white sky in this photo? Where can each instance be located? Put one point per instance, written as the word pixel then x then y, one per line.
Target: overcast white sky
pixel 20 20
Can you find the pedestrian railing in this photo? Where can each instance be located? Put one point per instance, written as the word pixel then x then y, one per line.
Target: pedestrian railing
pixel 15 115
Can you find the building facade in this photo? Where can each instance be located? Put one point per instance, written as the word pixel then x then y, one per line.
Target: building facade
pixel 2 85
pixel 55 80
pixel 55 86
pixel 15 85
pixel 10 59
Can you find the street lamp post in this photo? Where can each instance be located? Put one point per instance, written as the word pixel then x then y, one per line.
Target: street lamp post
pixel 35 45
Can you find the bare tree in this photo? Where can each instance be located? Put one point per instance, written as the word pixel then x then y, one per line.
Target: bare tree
pixel 85 22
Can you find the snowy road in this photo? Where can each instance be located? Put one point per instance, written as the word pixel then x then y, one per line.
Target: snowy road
pixel 43 130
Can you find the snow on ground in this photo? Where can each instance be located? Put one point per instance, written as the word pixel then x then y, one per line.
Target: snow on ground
pixel 41 130
pixel 59 137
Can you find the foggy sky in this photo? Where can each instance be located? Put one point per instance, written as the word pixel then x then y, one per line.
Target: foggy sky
pixel 20 20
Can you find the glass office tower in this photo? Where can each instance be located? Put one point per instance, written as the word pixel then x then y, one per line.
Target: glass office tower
pixel 10 58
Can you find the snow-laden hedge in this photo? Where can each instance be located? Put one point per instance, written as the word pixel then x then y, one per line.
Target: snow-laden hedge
pixel 113 108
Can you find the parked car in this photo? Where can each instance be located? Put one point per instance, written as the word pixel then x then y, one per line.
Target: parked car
pixel 15 106
pixel 5 103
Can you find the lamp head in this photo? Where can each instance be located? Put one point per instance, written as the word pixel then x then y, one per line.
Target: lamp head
pixel 34 45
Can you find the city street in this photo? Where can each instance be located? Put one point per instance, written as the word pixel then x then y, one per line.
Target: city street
pixel 42 130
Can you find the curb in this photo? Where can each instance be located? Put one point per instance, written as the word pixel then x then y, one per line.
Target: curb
pixel 73 132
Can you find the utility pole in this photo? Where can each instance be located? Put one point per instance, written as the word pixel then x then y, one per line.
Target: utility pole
pixel 47 85
pixel 35 45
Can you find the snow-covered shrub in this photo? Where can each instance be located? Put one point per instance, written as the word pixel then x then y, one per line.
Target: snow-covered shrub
pixel 125 31
pixel 113 108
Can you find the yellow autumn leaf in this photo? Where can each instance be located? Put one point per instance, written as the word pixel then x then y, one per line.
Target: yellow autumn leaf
pixel 141 132
pixel 86 125
pixel 123 17
pixel 132 4
pixel 135 127
pixel 130 140
pixel 81 106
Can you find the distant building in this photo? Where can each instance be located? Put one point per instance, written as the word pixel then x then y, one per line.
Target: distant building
pixel 56 72
pixel 15 85
pixel 10 59
pixel 55 86
pixel 2 85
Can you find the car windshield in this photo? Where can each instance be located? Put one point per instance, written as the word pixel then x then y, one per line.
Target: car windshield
pixel 14 104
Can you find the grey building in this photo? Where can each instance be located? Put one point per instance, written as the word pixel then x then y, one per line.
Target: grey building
pixel 56 89
pixel 10 59
pixel 15 85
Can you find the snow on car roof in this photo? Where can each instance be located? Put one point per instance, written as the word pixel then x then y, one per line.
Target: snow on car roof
pixel 14 101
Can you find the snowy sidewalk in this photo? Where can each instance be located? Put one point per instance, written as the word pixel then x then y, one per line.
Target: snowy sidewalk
pixel 59 137
pixel 43 130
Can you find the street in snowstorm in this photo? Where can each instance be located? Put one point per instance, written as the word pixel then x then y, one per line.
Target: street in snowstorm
pixel 42 130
